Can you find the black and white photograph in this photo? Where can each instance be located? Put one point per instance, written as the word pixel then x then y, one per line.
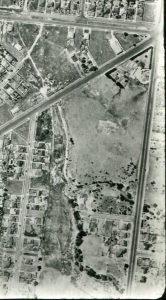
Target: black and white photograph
pixel 82 149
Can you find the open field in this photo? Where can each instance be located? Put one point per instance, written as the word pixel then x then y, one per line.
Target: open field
pixel 129 40
pixel 14 187
pixel 100 48
pixel 5 115
pixel 57 231
pixel 17 139
pixel 6 2
pixel 28 33
pixel 107 129
pixel 23 130
pixel 59 285
pixel 51 58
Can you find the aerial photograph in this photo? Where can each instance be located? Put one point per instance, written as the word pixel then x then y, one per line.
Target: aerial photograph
pixel 82 149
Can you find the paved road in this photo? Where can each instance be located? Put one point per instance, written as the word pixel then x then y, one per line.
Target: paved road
pixel 15 122
pixel 79 22
pixel 143 170
pixel 143 163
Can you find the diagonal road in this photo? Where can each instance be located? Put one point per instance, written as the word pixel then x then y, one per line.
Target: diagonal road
pixel 15 122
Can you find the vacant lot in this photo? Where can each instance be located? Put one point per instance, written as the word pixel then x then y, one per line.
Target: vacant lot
pixel 150 11
pixel 29 74
pixel 54 284
pixel 56 34
pixel 95 253
pixel 128 40
pixel 57 227
pixel 14 187
pixel 23 130
pixel 17 139
pixel 51 58
pixel 5 114
pixel 78 38
pixel 6 2
pixel 100 47
pixel 96 149
pixel 28 33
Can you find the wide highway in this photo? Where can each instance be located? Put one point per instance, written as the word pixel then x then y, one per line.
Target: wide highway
pixel 96 24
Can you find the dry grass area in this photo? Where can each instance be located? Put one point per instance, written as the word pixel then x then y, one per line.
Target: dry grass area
pixel 100 47
pixel 97 151
pixel 14 187
pixel 95 253
pixel 51 58
pixel 129 40
pixel 17 139
pixel 57 227
pixel 55 285
pixel 23 130
pixel 28 33
pixel 5 114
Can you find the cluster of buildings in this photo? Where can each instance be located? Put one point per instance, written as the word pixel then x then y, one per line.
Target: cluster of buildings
pixel 146 267
pixel 119 9
pixel 33 224
pixel 96 202
pixel 9 217
pixel 14 88
pixel 136 10
pixel 7 62
pixel 138 69
pixel 41 158
pixel 81 56
pixel 14 4
pixel 18 233
pixel 151 233
pixel 116 235
pixel 14 160
pixel 66 7
pixel 14 91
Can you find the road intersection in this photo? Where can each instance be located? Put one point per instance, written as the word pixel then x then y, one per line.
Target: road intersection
pixel 55 98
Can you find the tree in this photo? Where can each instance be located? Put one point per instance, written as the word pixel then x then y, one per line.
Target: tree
pixel 126 34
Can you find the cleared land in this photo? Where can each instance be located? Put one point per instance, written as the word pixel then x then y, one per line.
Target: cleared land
pixel 28 33
pixel 100 48
pixel 51 57
pixel 107 129
pixel 5 114
pixel 23 130
pixel 129 40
